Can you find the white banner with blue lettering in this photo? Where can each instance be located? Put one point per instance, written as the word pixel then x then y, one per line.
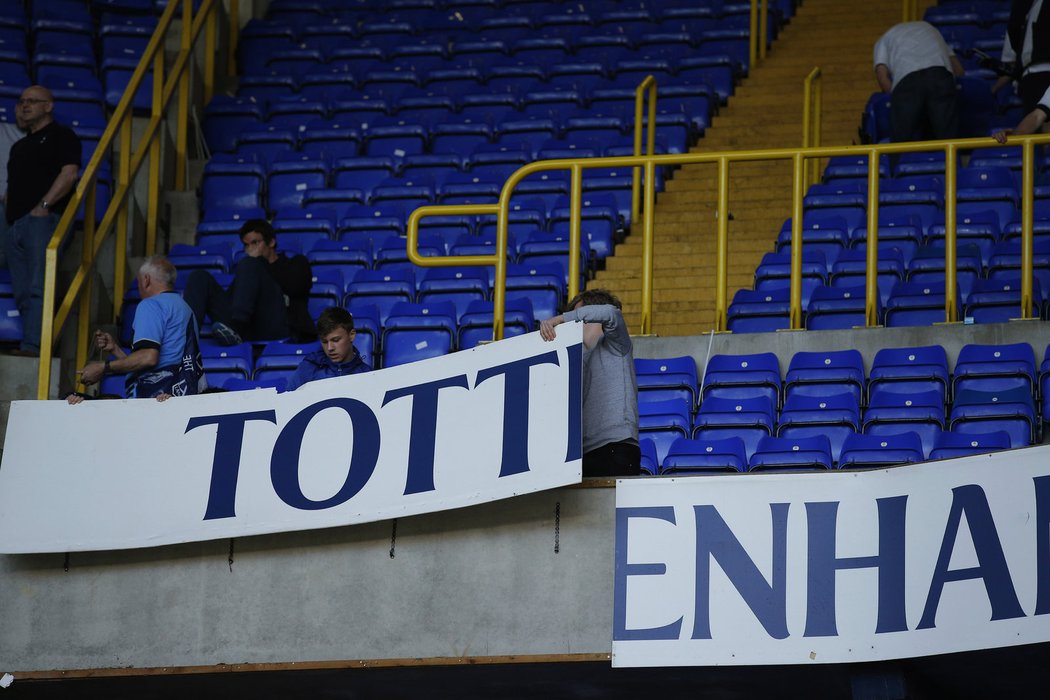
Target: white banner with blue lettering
pixel 471 427
pixel 833 567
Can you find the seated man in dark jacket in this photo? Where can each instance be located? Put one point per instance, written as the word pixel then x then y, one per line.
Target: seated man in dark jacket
pixel 268 297
pixel 337 357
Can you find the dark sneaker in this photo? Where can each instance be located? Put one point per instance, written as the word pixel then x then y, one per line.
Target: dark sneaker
pixel 224 335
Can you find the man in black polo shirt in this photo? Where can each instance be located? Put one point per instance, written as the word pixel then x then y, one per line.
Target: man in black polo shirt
pixel 41 171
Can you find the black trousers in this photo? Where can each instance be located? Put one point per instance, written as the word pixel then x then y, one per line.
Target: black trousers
pixel 925 105
pixel 253 305
pixel 613 459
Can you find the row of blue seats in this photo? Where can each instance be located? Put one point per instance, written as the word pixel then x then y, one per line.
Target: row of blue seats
pixel 837 414
pixel 776 454
pixel 928 163
pixel 308 192
pixel 905 260
pixel 909 304
pixel 899 370
pixel 428 123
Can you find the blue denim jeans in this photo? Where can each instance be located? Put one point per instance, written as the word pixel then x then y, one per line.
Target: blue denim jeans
pixel 25 244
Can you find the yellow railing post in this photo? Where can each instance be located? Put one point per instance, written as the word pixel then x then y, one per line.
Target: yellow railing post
pixel 233 37
pixel 153 188
pixel 951 292
pixel 575 237
pixel 648 242
pixel 763 29
pixel 1027 215
pixel 722 250
pixel 647 85
pixel 811 116
pixel 752 48
pixel 798 191
pixel 871 275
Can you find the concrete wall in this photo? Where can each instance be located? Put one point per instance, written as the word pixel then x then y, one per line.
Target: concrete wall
pixel 480 581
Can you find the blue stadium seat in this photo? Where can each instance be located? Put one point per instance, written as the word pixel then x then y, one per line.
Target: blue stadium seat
pixel 909 370
pixel 418 331
pixel 236 184
pixel 222 362
pixel 850 270
pixel 834 416
pixel 1011 410
pixel 777 454
pixel 704 456
pixel 838 308
pixel 928 266
pixel 999 300
pixel 742 376
pixel 362 173
pixel 665 378
pixel 916 304
pixel 995 368
pixel 758 311
pixel 749 419
pixel 649 463
pixel 279 359
pixel 10 321
pixel 271 381
pixel 663 422
pixel 475 325
pixel 543 285
pixel 290 177
pixel 878 451
pixel 459 285
pixel 892 412
pixel 819 373
pixel 329 140
pixel 383 288
pixel 214 258
pixel 950 445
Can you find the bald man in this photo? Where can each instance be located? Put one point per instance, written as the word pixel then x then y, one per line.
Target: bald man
pixel 41 171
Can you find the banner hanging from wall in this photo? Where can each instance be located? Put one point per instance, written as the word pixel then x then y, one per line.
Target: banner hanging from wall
pixel 474 426
pixel 833 567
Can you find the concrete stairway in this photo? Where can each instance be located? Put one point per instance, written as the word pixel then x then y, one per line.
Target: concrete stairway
pixel 765 112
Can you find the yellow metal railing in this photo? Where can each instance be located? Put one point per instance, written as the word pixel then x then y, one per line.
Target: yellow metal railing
pixel 759 30
pixel 812 107
pixel 798 157
pixel 129 160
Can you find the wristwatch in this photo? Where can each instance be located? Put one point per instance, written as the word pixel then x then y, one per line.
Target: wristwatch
pixel 44 204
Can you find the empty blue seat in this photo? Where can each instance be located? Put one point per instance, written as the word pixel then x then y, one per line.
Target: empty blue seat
pixel 699 456
pixel 289 178
pixel 916 304
pixel 459 285
pixel 756 311
pixel 999 300
pixel 663 422
pixel 791 454
pixel 921 412
pixel 838 308
pixel 878 451
pixel 475 325
pixel 749 419
pixel 909 370
pixel 834 416
pixel 742 376
pixel 1010 410
pixel 666 378
pixel 542 284
pixel 224 361
pixel 649 464
pixel 232 184
pixel 418 331
pixel 821 373
pixel 995 368
pixel 383 288
pixel 279 359
pixel 951 444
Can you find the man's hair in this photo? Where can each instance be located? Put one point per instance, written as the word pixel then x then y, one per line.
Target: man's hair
pixel 593 297
pixel 261 227
pixel 332 318
pixel 159 268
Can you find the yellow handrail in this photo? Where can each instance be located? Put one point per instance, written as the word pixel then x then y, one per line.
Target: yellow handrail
pixel 798 156
pixel 759 29
pixel 812 108
pixel 115 218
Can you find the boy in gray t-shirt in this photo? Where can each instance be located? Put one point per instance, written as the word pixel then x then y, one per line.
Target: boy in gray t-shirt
pixel 610 392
